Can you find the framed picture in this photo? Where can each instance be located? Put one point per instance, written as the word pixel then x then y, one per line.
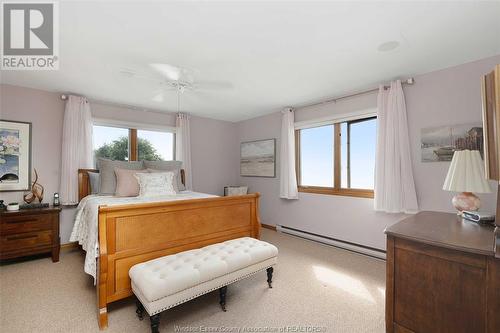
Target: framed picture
pixel 15 155
pixel 439 143
pixel 258 158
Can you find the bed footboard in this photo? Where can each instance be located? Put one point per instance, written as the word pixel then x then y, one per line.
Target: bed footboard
pixel 130 234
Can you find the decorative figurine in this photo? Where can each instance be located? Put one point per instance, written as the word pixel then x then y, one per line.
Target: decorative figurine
pixel 36 191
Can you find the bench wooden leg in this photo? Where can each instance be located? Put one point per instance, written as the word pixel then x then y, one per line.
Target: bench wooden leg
pixel 270 276
pixel 222 294
pixel 140 309
pixel 155 323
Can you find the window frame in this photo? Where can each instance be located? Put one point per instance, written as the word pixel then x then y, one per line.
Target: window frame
pixel 133 147
pixel 337 188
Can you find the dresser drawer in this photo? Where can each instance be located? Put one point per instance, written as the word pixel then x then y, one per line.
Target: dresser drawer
pixel 25 240
pixel 26 223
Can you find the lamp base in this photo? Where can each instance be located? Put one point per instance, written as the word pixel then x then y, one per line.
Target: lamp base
pixel 466 201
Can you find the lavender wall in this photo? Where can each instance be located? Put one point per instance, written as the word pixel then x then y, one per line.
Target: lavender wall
pixel 449 96
pixel 45 111
pixel 214 154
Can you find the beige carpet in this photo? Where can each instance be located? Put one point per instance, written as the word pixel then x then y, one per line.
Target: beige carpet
pixel 316 287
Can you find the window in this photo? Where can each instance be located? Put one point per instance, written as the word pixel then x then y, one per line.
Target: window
pixel 316 158
pixel 111 142
pixel 155 145
pixel 337 158
pixel 130 144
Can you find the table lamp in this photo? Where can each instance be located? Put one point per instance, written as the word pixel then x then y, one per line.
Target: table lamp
pixel 466 175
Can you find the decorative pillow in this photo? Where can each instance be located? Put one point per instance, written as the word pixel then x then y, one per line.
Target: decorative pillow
pixel 95 180
pixel 176 174
pixel 155 184
pixel 126 183
pixel 107 170
pixel 174 166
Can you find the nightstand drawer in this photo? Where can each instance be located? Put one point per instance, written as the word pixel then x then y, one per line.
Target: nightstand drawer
pixel 25 240
pixel 26 223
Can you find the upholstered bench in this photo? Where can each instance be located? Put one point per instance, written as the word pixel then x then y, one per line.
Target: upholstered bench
pixel 163 283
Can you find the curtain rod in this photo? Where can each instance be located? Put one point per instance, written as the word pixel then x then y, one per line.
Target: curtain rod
pixel 132 107
pixel 408 81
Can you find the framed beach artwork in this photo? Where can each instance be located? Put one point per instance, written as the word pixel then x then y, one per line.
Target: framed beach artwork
pixel 258 158
pixel 439 143
pixel 15 155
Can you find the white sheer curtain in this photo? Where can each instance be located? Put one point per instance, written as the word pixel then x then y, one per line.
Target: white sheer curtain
pixel 183 147
pixel 394 184
pixel 288 179
pixel 76 146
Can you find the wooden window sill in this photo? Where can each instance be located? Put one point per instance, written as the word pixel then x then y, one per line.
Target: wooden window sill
pixel 348 192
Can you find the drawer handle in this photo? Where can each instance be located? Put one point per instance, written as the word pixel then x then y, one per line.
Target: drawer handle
pixel 21 221
pixel 21 237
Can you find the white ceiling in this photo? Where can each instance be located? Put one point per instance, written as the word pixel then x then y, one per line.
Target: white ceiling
pixel 274 54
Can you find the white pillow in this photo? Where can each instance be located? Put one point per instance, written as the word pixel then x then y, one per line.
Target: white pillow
pixel 155 184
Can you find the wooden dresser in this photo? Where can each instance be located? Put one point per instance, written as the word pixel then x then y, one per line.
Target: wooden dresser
pixel 442 276
pixel 29 231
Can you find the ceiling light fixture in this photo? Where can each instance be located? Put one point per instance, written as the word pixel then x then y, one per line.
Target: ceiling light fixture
pixel 388 46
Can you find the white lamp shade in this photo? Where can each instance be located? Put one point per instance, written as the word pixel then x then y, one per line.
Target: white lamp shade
pixel 466 173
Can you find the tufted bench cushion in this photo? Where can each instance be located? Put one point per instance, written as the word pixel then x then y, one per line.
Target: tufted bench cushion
pixel 165 282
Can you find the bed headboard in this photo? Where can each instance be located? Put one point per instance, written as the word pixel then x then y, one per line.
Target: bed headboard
pixel 84 181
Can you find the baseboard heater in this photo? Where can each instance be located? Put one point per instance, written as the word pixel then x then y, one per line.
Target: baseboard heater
pixel 366 250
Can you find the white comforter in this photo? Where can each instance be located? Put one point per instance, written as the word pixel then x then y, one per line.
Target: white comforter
pixel 85 228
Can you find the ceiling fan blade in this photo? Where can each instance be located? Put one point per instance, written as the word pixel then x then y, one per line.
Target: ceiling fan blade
pixel 130 73
pixel 174 73
pixel 170 72
pixel 213 85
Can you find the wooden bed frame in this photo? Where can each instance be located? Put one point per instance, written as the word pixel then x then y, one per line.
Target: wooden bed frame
pixel 134 233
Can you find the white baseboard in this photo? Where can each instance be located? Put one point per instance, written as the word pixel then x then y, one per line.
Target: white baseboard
pixel 333 242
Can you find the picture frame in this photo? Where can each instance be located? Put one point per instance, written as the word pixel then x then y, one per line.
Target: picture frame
pixel 258 158
pixel 439 143
pixel 15 155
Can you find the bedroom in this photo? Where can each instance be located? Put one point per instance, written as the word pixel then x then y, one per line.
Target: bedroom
pixel 218 86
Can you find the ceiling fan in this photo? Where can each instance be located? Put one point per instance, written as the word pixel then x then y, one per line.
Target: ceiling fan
pixel 173 78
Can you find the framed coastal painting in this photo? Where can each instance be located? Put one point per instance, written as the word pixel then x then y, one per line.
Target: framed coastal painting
pixel 15 155
pixel 439 143
pixel 258 158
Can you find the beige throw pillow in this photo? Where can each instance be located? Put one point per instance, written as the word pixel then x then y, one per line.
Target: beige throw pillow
pixel 107 173
pixel 126 183
pixel 155 184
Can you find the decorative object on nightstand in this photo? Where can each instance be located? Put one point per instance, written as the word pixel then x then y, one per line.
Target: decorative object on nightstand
pixel 56 202
pixel 36 191
pixel 235 190
pixel 466 175
pixel 29 231
pixel 13 206
pixel 34 206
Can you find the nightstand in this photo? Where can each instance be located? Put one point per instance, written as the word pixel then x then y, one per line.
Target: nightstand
pixel 29 231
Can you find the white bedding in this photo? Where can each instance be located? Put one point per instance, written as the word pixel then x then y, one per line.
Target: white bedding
pixel 85 228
